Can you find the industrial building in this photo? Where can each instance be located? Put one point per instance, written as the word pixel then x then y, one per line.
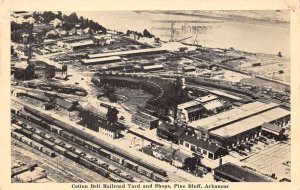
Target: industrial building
pixel 98 61
pixel 199 108
pixel 129 53
pixel 110 130
pixel 145 120
pixel 206 148
pixel 79 45
pixel 230 172
pixel 150 68
pixel 24 71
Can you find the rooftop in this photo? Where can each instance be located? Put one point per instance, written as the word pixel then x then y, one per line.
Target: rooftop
pixel 146 116
pixel 272 128
pixel 104 59
pixel 207 98
pixel 81 43
pixel 232 115
pixel 153 67
pixel 203 144
pixel 129 52
pixel 241 174
pixel 248 123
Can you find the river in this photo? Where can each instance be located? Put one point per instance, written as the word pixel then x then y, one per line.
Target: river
pixel 208 31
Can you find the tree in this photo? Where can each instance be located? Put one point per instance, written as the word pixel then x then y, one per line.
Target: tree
pixel 112 115
pixel 59 15
pixel 73 18
pixel 146 33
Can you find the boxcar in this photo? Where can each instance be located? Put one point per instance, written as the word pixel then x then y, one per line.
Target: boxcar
pixel 71 156
pixel 26 132
pixel 145 172
pixel 59 149
pixel 91 146
pixel 131 165
pixel 47 143
pixel 78 140
pixel 55 129
pixel 48 152
pixel 158 178
pixel 116 158
pixel 37 138
pixel 104 153
pixel 66 135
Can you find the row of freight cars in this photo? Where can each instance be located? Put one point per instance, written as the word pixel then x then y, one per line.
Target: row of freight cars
pixel 47 143
pixel 97 146
pixel 58 88
pixel 33 144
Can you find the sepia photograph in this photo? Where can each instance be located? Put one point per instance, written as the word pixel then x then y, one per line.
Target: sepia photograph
pixel 150 96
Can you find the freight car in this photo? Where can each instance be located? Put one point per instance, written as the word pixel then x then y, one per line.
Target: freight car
pixel 94 167
pixel 72 156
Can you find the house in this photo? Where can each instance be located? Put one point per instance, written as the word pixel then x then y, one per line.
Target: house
pixel 163 153
pixel 22 51
pixel 110 41
pixel 79 31
pixel 206 148
pixel 51 33
pixel 30 20
pixel 145 120
pixel 230 172
pixel 72 32
pixel 87 30
pixel 24 71
pixel 56 23
pixel 68 105
pixel 169 132
pixel 171 155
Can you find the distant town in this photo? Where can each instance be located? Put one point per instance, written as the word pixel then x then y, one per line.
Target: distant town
pixel 92 104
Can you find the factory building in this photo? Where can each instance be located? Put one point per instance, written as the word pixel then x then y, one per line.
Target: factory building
pixel 110 130
pixel 24 71
pixel 206 148
pixel 98 61
pixel 203 126
pixel 150 68
pixel 145 120
pixel 79 45
pixel 242 131
pixel 129 53
pixel 230 172
pixel 199 108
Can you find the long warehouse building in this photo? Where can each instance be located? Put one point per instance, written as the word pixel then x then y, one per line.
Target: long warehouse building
pixel 129 53
pixel 103 60
pixel 240 124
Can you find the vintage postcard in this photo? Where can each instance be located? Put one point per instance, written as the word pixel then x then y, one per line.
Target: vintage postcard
pixel 143 97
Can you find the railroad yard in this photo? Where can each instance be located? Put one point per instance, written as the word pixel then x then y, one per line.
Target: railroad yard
pixel 104 106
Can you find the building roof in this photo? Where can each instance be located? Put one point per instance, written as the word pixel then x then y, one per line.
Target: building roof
pixel 211 105
pixel 99 60
pixel 179 156
pixel 245 124
pixel 220 93
pixel 272 128
pixel 129 52
pixel 164 150
pixel 112 127
pixel 188 104
pixel 232 115
pixel 81 43
pixel 207 98
pixel 149 67
pixel 21 65
pixel 241 174
pixel 203 144
pixel 65 103
pixel 145 116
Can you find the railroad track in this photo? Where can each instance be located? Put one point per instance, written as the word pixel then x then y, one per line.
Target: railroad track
pixel 83 149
